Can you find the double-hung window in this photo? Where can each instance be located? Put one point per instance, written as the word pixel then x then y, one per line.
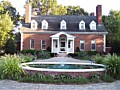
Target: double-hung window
pixel 32 44
pixel 82 45
pixel 93 45
pixel 43 45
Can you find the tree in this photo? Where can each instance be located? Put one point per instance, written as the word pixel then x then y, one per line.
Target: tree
pixel 6 25
pixel 7 7
pixel 60 10
pixel 47 7
pixel 75 10
pixel 10 46
pixel 50 7
pixel 112 24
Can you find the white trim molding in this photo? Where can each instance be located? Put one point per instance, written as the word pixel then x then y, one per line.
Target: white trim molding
pixel 104 41
pixel 21 43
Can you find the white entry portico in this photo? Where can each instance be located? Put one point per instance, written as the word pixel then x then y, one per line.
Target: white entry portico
pixel 62 42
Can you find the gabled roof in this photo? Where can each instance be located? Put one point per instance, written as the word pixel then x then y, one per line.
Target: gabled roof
pixel 62 33
pixel 72 22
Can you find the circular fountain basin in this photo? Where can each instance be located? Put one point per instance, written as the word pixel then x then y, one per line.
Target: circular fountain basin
pixel 72 68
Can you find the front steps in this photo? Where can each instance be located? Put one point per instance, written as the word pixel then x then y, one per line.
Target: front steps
pixel 62 54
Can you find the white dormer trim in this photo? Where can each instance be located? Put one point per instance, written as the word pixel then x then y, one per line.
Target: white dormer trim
pixel 82 25
pixel 63 24
pixel 93 25
pixel 44 24
pixel 34 24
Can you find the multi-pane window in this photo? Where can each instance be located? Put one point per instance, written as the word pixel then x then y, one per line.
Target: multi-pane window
pixel 69 44
pixel 93 45
pixel 32 44
pixel 44 24
pixel 33 24
pixel 63 25
pixel 82 44
pixel 93 25
pixel 82 25
pixel 43 45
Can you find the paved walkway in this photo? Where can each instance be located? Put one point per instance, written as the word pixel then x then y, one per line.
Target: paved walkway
pixel 63 59
pixel 13 85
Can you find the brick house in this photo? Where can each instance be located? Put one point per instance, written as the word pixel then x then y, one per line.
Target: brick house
pixel 64 33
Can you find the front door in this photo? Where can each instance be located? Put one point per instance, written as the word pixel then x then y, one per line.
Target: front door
pixel 62 45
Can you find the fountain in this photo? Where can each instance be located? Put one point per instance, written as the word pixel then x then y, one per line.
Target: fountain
pixel 63 67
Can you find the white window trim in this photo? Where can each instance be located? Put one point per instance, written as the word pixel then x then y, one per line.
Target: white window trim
pixel 33 21
pixel 80 24
pixel 82 41
pixel 41 45
pixel 92 24
pixel 30 44
pixel 93 41
pixel 63 23
pixel 44 23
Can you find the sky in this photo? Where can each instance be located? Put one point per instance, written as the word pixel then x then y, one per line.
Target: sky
pixel 88 5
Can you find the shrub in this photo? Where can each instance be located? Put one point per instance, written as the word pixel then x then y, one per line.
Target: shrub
pixel 26 58
pixel 42 54
pixel 90 53
pixel 77 49
pixel 53 54
pixel 83 55
pixel 107 78
pixel 73 54
pixel 10 67
pixel 113 65
pixel 94 78
pixel 98 59
pixel 29 51
pixel 10 46
pixel 49 49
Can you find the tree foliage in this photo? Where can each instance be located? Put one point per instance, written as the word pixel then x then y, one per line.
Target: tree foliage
pixel 112 24
pixel 75 10
pixel 50 7
pixel 10 46
pixel 6 26
pixel 7 7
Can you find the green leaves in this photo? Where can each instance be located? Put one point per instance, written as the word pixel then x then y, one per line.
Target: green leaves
pixel 50 7
pixel 6 26
pixel 10 67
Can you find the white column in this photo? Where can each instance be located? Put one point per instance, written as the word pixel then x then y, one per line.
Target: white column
pixel 21 44
pixel 58 48
pixel 67 46
pixel 73 45
pixel 52 46
pixel 104 41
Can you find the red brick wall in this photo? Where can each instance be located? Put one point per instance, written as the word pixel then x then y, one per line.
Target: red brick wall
pixel 37 38
pixel 88 38
pixel 46 37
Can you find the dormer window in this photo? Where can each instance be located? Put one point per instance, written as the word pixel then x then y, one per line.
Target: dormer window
pixel 93 25
pixel 62 24
pixel 82 25
pixel 44 24
pixel 33 24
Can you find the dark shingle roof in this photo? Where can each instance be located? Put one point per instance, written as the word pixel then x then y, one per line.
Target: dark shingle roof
pixel 72 22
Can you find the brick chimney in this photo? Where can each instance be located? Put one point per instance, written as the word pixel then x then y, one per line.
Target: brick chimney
pixel 28 13
pixel 92 14
pixel 99 14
